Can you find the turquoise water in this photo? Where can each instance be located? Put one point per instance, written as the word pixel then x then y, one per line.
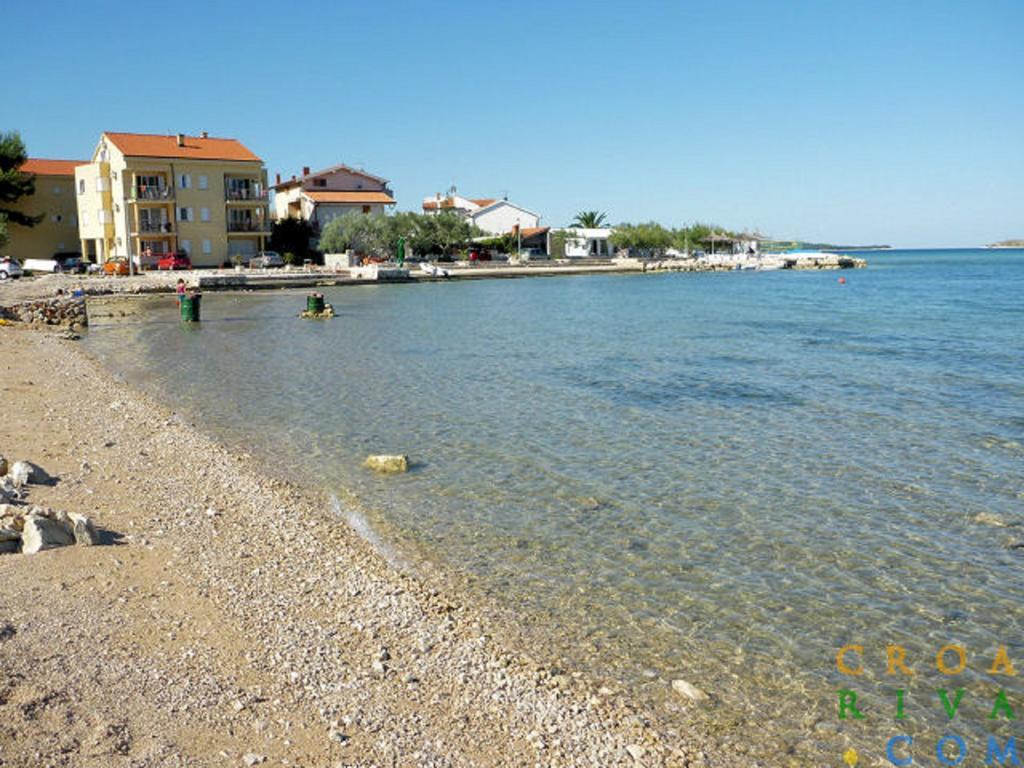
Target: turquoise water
pixel 720 477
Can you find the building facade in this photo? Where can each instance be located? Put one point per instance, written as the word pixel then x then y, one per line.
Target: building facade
pixel 54 200
pixel 493 216
pixel 321 197
pixel 582 242
pixel 145 195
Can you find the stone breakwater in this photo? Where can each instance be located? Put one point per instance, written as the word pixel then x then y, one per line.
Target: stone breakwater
pixel 774 262
pixel 62 310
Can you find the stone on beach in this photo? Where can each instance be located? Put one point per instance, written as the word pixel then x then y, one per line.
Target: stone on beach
pixel 82 529
pixel 3 466
pixel 688 690
pixel 387 463
pixel 20 473
pixel 43 533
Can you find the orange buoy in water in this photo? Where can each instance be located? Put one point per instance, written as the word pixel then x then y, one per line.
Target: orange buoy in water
pixel 842 281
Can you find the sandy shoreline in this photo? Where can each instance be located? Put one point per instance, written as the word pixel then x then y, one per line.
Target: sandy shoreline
pixel 234 617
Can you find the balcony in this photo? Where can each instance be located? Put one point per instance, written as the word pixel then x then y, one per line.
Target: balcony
pixel 157 194
pixel 245 195
pixel 155 227
pixel 254 226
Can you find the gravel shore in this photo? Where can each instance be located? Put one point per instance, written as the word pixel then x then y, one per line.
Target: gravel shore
pixel 231 619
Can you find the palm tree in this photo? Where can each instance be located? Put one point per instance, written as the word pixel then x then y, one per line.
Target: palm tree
pixel 589 219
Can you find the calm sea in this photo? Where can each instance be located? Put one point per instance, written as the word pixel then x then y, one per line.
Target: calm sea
pixel 717 477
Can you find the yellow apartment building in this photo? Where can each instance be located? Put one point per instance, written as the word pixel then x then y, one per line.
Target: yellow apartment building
pixel 54 200
pixel 145 195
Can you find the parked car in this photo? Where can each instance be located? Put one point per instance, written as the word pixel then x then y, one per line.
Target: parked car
pixel 9 267
pixel 266 259
pixel 177 260
pixel 66 261
pixel 116 267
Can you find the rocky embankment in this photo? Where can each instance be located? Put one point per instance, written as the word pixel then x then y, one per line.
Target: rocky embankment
pixel 232 619
pixel 66 311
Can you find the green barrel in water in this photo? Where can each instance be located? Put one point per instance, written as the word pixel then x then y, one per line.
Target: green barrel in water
pixel 315 303
pixel 190 307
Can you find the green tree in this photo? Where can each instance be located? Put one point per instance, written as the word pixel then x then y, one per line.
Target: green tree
pixel 13 183
pixel 3 230
pixel 647 240
pixel 294 236
pixel 561 241
pixel 367 235
pixel 589 219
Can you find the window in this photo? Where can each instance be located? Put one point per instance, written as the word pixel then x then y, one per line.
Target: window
pixel 319 182
pixel 366 209
pixel 56 190
pixel 185 214
pixel 204 213
pixel 185 180
pixel 56 218
pixel 74 220
pixel 204 182
pixel 207 247
pixel 81 186
pixel 186 246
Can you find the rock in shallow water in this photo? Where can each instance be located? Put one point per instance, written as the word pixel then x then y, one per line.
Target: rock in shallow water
pixel 387 463
pixel 688 690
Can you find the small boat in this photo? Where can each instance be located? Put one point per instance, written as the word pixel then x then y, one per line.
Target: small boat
pixel 433 270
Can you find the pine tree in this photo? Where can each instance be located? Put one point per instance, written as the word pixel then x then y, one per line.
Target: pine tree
pixel 13 183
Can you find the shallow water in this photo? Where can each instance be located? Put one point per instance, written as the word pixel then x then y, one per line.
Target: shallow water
pixel 720 477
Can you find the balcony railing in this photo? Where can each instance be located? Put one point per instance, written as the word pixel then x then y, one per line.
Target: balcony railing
pixel 153 193
pixel 243 194
pixel 162 227
pixel 248 226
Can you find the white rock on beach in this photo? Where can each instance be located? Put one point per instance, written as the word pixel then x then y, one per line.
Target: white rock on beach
pixel 20 473
pixel 82 529
pixel 387 463
pixel 688 690
pixel 43 533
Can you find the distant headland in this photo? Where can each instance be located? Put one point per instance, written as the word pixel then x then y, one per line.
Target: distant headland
pixel 1007 244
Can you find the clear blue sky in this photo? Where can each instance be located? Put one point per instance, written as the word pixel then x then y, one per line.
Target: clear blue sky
pixel 896 122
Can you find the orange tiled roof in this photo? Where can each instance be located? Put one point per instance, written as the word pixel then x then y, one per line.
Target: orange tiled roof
pixel 448 202
pixel 433 205
pixel 195 148
pixel 43 167
pixel 364 197
pixel 531 231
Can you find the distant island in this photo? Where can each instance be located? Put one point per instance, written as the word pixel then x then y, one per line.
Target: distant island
pixel 1007 244
pixel 802 245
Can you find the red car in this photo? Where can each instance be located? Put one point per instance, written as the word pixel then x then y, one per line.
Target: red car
pixel 174 261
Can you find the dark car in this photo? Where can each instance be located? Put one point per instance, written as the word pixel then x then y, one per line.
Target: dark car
pixel 70 261
pixel 178 260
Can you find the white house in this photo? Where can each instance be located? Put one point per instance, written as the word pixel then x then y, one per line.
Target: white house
pixel 496 217
pixel 582 242
pixel 323 196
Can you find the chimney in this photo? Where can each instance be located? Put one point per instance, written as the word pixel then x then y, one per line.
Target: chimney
pixel 293 177
pixel 278 178
pixel 181 139
pixel 305 170
pixel 204 135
